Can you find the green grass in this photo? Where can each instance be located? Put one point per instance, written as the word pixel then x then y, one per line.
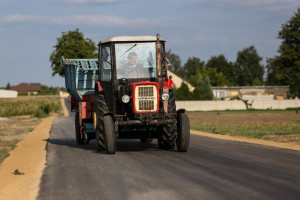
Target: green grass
pixel 14 145
pixel 38 107
pixel 29 130
pixel 247 112
pixel 3 154
pixel 2 132
pixel 255 129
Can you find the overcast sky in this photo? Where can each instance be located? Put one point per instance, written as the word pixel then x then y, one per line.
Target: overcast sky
pixel 200 28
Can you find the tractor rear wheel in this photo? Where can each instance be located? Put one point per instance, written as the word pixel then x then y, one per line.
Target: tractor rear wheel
pixel 102 110
pixel 183 137
pixel 109 135
pixel 79 140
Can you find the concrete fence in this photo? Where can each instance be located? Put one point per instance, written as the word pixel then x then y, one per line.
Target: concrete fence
pixel 236 105
pixel 8 94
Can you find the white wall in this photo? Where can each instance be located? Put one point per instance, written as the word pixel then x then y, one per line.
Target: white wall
pixel 236 105
pixel 8 94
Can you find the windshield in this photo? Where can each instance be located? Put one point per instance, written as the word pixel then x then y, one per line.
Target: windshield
pixel 135 60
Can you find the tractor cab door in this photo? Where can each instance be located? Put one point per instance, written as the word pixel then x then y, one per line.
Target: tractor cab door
pixel 106 73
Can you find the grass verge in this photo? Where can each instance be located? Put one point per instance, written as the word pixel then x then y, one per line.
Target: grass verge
pixel 35 106
pixel 3 154
pixel 254 124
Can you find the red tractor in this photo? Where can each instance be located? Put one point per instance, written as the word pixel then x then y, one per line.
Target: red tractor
pixel 132 96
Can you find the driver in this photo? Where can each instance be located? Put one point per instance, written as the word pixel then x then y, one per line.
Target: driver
pixel 132 69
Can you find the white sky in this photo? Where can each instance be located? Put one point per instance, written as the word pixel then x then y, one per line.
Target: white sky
pixel 200 28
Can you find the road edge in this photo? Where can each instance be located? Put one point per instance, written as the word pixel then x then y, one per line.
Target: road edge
pixel 290 146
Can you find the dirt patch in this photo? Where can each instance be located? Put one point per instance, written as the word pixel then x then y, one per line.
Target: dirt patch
pixel 14 129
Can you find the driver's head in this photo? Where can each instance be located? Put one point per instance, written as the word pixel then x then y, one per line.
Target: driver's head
pixel 132 58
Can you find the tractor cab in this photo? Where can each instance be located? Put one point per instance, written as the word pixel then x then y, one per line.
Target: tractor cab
pixel 129 57
pixel 131 75
pixel 133 97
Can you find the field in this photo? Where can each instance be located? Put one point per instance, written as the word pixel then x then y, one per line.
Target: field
pixel 20 116
pixel 280 126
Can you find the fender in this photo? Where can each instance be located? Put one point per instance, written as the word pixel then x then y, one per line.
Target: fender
pixel 98 87
pixel 180 111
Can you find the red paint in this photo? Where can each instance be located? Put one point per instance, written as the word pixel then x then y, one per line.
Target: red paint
pixel 86 107
pixel 168 84
pixel 99 87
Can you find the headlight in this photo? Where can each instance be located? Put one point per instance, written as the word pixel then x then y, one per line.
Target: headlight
pixel 165 96
pixel 125 99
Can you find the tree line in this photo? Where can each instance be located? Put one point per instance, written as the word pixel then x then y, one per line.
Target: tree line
pixel 246 70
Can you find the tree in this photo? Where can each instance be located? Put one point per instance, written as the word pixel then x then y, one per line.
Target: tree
pixel 8 86
pixel 221 64
pixel 191 67
pixel 183 93
pixel 285 68
pixel 175 62
pixel 71 44
pixel 249 67
pixel 271 73
pixel 216 78
pixel 202 89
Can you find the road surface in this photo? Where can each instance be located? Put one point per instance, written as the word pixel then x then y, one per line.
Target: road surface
pixel 211 169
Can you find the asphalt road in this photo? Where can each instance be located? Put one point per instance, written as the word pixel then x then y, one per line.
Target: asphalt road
pixel 211 169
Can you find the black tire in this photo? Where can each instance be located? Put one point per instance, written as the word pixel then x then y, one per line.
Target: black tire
pixel 79 140
pixel 101 109
pixel 183 137
pixel 100 146
pixel 146 140
pixel 100 141
pixel 167 132
pixel 109 135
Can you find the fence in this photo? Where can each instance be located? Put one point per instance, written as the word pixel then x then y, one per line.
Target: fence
pixel 236 105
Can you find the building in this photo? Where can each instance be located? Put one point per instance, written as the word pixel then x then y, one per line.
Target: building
pixel 177 80
pixel 28 88
pixel 251 92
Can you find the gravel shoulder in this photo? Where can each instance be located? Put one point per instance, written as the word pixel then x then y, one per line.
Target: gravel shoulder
pixel 29 159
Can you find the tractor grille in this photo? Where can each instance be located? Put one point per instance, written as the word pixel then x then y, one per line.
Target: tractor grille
pixel 146 98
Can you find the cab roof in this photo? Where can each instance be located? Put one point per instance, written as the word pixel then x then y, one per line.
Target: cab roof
pixel 131 39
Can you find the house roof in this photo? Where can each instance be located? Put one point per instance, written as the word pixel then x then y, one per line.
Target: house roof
pixel 24 88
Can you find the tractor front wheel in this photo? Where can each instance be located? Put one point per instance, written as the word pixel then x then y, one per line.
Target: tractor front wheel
pixel 100 141
pixel 183 137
